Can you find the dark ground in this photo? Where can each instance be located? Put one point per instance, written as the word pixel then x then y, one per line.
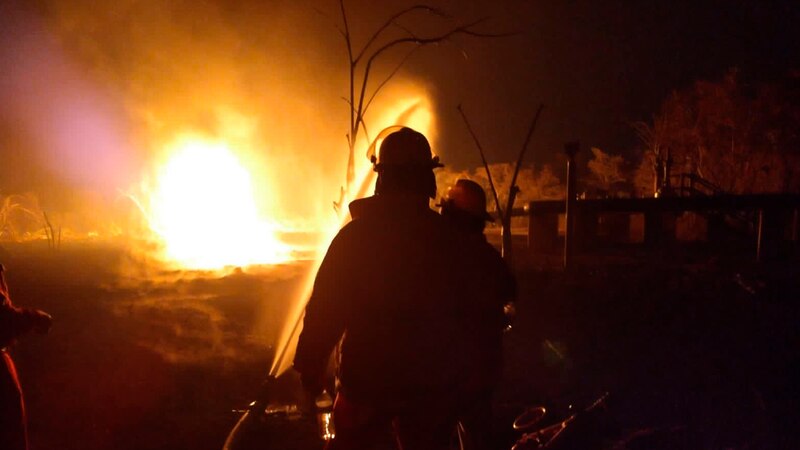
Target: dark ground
pixel 705 346
pixel 701 341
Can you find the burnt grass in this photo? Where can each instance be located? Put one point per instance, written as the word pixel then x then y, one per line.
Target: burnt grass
pixel 697 347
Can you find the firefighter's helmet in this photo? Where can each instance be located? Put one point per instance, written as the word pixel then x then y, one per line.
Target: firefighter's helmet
pixel 469 197
pixel 404 148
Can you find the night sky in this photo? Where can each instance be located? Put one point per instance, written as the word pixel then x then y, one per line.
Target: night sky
pixel 597 66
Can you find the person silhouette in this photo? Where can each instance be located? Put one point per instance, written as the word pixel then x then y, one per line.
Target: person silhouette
pixel 14 322
pixel 389 288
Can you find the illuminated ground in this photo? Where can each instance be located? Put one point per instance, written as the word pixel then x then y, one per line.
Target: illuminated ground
pixel 133 364
pixel 709 346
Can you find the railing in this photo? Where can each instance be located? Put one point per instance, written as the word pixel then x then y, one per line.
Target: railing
pixel 773 214
pixel 692 184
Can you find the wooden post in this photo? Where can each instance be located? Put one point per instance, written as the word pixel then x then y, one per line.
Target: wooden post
pixel 771 232
pixel 793 231
pixel 570 149
pixel 760 237
pixel 667 169
pixel 659 166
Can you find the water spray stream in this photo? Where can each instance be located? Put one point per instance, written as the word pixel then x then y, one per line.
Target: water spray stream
pixel 289 340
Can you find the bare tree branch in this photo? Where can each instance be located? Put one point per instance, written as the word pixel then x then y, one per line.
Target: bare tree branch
pixel 392 21
pixel 404 28
pixel 485 164
pixel 466 29
pixel 388 78
pixel 513 188
pixel 366 132
pixel 354 116
pixel 648 135
pixel 367 55
pixel 327 16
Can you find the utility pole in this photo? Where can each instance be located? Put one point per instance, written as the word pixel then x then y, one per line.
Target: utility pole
pixel 570 149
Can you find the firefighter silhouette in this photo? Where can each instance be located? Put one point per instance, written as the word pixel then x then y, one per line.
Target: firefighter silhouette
pixel 14 322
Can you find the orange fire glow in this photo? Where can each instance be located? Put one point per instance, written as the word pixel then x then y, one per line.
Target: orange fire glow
pixel 204 209
pixel 215 201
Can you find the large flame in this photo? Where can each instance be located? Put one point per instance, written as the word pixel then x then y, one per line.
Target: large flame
pixel 204 209
pixel 208 214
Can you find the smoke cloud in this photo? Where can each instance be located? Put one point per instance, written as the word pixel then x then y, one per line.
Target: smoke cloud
pixel 98 90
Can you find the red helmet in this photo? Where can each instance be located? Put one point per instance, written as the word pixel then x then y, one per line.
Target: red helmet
pixel 469 197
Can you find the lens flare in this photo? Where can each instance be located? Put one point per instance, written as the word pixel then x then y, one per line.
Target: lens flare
pixel 204 209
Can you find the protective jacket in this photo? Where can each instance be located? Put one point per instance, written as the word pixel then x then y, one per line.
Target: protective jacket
pixel 491 286
pixel 14 322
pixel 392 286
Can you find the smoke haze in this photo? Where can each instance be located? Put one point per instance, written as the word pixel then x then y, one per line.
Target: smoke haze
pixel 96 91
